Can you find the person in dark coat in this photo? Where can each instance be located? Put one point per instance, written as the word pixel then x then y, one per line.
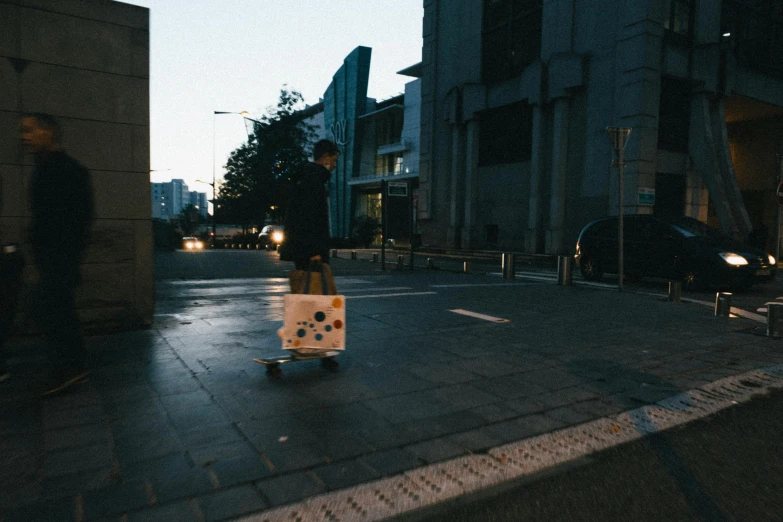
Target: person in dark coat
pixel 307 218
pixel 61 203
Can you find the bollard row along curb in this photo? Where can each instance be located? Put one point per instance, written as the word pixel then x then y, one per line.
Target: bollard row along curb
pixel 426 487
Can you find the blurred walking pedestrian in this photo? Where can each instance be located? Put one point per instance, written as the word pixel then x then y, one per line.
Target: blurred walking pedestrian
pixel 61 202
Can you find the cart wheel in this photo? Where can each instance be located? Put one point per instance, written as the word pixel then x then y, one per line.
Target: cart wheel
pixel 329 363
pixel 273 370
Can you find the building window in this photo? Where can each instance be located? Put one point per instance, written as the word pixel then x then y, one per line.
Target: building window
pixel 511 37
pixel 755 29
pixel 506 135
pixel 677 16
pixel 388 164
pixel 388 130
pixel 674 114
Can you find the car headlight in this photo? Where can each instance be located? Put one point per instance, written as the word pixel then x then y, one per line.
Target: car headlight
pixel 199 244
pixel 277 237
pixel 733 259
pixel 772 260
pixel 189 245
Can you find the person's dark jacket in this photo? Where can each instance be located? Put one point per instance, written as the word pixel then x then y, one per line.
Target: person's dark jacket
pixel 61 201
pixel 306 229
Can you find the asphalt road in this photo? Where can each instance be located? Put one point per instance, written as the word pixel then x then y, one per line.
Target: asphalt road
pixel 725 467
pixel 218 264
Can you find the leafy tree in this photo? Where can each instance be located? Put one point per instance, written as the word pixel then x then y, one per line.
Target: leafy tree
pixel 188 220
pixel 260 172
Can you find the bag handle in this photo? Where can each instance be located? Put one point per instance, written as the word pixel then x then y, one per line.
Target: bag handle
pixel 324 288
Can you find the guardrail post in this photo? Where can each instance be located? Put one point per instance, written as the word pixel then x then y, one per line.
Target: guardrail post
pixel 430 263
pixel 722 304
pixel 775 319
pixel 400 261
pixel 375 257
pixel 564 273
pixel 675 291
pixel 507 263
pixel 333 253
pixel 353 255
pixel 467 267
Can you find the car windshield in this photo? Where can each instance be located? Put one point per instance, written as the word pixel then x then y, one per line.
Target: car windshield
pixel 690 227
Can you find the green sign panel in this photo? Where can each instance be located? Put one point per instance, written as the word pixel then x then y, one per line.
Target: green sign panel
pixel 646 196
pixel 398 188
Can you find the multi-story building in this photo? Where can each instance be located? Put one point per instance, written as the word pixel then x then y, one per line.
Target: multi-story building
pixel 199 201
pixel 379 142
pixel 168 199
pixel 517 94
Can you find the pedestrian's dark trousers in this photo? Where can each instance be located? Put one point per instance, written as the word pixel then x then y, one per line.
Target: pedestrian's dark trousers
pixel 59 321
pixel 11 267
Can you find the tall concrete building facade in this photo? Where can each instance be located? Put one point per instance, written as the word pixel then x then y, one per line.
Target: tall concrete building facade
pixel 169 198
pixel 86 62
pixel 517 94
pixel 379 141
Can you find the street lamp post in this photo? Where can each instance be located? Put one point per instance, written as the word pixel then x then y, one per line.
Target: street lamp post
pixel 619 135
pixel 214 183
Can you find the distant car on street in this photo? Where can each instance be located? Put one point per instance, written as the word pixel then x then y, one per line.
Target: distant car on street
pixel 271 236
pixel 192 243
pixel 682 249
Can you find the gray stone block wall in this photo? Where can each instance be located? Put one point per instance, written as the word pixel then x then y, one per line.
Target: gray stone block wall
pixel 86 62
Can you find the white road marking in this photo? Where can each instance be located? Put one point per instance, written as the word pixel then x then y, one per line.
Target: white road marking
pixel 484 284
pixel 480 316
pixel 389 295
pixel 734 310
pixel 378 289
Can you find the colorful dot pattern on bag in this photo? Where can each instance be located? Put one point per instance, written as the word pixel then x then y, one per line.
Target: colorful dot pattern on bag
pixel 338 324
pixel 337 302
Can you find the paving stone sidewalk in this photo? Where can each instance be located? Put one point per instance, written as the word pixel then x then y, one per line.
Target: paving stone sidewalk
pixel 178 423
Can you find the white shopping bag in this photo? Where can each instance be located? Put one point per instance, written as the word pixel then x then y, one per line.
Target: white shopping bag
pixel 313 321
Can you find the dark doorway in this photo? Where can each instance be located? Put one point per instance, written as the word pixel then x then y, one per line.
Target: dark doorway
pixel 669 195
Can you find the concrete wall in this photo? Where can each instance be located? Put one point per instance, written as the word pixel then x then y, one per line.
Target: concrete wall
pixel 601 64
pixel 87 63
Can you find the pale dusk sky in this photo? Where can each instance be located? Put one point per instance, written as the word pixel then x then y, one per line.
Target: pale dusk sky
pixel 235 55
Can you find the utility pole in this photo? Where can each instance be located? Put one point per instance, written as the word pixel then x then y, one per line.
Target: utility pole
pixel 618 136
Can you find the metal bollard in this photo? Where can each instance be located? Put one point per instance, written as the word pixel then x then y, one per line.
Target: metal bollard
pixel 353 255
pixel 375 257
pixel 564 273
pixel 775 319
pixel 722 304
pixel 430 263
pixel 675 291
pixel 334 252
pixel 400 261
pixel 467 267
pixel 508 266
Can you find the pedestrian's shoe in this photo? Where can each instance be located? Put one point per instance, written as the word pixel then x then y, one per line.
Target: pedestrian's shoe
pixel 64 380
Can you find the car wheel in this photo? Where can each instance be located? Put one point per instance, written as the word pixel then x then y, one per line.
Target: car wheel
pixel 591 270
pixel 693 280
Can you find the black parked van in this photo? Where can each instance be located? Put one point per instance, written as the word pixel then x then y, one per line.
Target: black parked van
pixel 682 249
